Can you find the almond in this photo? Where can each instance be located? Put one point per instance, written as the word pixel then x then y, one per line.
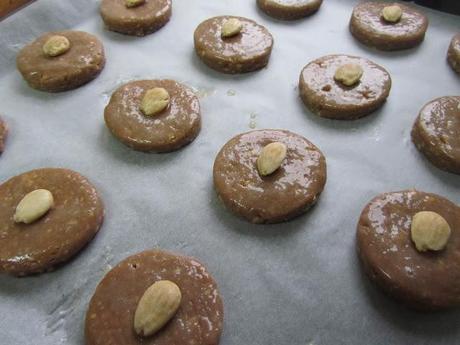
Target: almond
pixel 231 27
pixel 156 307
pixel 270 158
pixel 429 231
pixel 56 45
pixel 155 101
pixel 33 206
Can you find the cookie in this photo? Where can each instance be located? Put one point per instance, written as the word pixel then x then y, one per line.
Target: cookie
pixel 282 195
pixel 289 9
pixel 453 54
pixel 423 280
pixel 3 134
pixel 81 63
pixel 328 97
pixel 199 319
pixel 245 50
pixel 436 133
pixel 369 26
pixel 56 236
pixel 137 18
pixel 175 126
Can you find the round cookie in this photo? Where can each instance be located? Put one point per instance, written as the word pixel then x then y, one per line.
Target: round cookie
pixel 422 280
pixel 110 315
pixel 139 20
pixel 247 51
pixel 3 134
pixel 370 28
pixel 329 98
pixel 289 9
pixel 453 54
pixel 60 234
pixel 79 65
pixel 436 133
pixel 171 129
pixel 288 192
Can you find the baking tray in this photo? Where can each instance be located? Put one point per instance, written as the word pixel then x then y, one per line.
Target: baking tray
pixel 296 283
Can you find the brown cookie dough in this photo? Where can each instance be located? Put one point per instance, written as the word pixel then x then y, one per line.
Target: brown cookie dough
pixel 453 54
pixel 247 51
pixel 285 194
pixel 140 20
pixel 369 27
pixel 3 134
pixel 289 9
pixel 60 234
pixel 110 315
pixel 422 280
pixel 173 128
pixel 326 97
pixel 81 64
pixel 436 133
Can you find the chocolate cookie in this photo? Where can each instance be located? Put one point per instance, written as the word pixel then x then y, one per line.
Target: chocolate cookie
pixel 110 315
pixel 436 133
pixel 328 97
pixel 286 193
pixel 368 26
pixel 3 134
pixel 83 60
pixel 453 54
pixel 135 17
pixel 422 280
pixel 175 126
pixel 246 47
pixel 289 9
pixel 73 220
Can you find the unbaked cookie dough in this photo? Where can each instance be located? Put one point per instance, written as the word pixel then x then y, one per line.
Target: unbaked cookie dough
pixel 140 20
pixel 289 9
pixel 177 125
pixel 328 97
pixel 3 134
pixel 199 319
pixel 284 194
pixel 453 54
pixel 423 280
pixel 245 50
pixel 436 133
pixel 81 63
pixel 368 26
pixel 57 235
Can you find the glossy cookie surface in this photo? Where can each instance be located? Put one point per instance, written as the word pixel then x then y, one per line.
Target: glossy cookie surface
pixel 285 194
pixel 61 233
pixel 247 51
pixel 368 26
pixel 326 97
pixel 199 319
pixel 422 280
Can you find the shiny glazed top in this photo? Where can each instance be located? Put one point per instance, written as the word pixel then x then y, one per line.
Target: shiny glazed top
pixel 296 184
pixel 199 319
pixel 384 242
pixel 253 41
pixel 151 9
pixel 72 221
pixel 318 80
pixel 369 16
pixel 127 122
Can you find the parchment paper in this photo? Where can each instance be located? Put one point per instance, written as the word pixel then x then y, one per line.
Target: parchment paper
pixel 296 283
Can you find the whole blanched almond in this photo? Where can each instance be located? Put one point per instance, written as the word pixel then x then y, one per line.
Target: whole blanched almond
pixel 33 206
pixel 56 45
pixel 392 14
pixel 429 231
pixel 270 158
pixel 231 27
pixel 156 307
pixel 349 74
pixel 154 101
pixel 134 3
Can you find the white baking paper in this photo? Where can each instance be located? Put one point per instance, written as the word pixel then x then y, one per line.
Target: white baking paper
pixel 297 283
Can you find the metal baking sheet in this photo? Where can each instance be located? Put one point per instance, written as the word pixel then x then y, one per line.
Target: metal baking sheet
pixel 296 283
